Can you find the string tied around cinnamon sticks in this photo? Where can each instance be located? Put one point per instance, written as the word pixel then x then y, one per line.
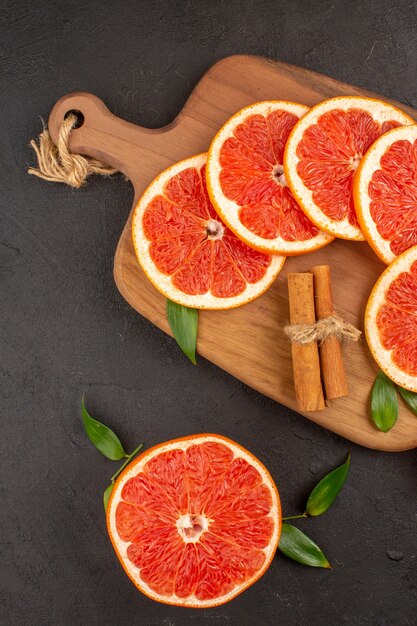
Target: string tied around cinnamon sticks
pixel 331 326
pixel 57 164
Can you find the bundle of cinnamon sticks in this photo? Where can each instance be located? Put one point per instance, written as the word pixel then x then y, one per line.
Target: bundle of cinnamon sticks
pixel 315 366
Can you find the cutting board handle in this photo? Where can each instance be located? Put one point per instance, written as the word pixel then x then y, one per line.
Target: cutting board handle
pixel 104 136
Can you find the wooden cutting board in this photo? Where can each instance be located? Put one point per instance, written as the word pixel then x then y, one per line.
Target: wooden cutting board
pixel 246 342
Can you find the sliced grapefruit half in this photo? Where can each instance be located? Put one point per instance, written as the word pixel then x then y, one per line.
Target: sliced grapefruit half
pixel 323 151
pixel 186 250
pixel 385 193
pixel 391 320
pixel 247 185
pixel 195 521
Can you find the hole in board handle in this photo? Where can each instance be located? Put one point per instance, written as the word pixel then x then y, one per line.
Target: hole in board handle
pixel 78 115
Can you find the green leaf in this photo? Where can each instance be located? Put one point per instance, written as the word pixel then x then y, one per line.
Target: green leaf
pixel 106 495
pixel 298 547
pixel 327 490
pixel 184 323
pixel 102 437
pixel 384 402
pixel 409 397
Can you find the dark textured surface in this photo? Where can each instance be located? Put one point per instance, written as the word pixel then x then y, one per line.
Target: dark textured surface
pixel 65 329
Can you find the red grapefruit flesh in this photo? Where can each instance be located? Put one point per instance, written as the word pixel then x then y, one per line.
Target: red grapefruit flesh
pixel 385 193
pixel 195 521
pixel 391 320
pixel 247 185
pixel 324 150
pixel 186 250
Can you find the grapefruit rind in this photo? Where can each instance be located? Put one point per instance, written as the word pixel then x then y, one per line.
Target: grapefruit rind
pixel 382 356
pixel 369 164
pixel 381 112
pixel 228 209
pixel 162 282
pixel 121 546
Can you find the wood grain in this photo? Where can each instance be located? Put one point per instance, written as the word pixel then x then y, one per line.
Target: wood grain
pixel 247 342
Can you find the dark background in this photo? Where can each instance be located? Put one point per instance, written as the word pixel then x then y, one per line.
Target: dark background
pixel 65 329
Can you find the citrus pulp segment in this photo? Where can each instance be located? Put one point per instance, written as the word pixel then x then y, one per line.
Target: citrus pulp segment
pixel 323 151
pixel 195 521
pixel 391 320
pixel 385 193
pixel 247 185
pixel 185 249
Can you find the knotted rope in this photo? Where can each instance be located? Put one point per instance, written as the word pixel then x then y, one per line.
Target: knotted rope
pixel 332 326
pixel 57 164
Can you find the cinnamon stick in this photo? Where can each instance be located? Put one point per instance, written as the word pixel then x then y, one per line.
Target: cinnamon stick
pixel 305 358
pixel 332 368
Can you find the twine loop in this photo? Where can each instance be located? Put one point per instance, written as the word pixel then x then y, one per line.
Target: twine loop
pixel 332 326
pixel 57 164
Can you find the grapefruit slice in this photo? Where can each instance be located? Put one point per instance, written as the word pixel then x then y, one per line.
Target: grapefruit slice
pixel 323 151
pixel 195 521
pixel 185 249
pixel 391 320
pixel 385 193
pixel 246 181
